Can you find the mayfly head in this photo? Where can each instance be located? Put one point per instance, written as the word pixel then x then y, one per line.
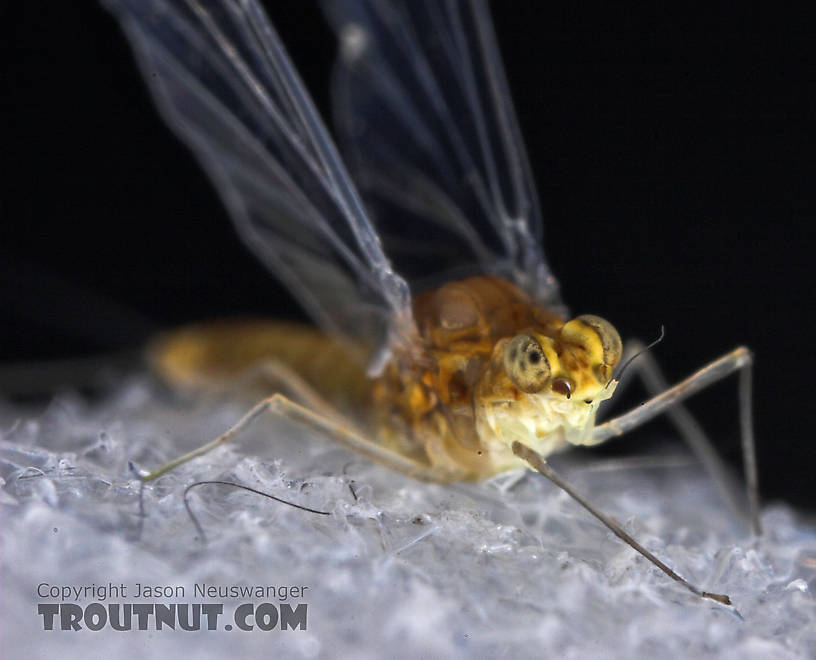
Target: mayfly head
pixel 543 390
pixel 577 362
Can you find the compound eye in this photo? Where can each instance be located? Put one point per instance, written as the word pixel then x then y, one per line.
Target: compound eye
pixel 611 344
pixel 526 364
pixel 598 339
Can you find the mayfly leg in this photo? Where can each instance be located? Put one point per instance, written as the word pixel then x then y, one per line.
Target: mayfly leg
pixel 541 466
pixel 668 400
pixel 647 369
pixel 279 376
pixel 278 404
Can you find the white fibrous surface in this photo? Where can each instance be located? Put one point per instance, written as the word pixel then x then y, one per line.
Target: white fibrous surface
pixel 398 569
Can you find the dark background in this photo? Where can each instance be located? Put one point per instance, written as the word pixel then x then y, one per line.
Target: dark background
pixel 673 154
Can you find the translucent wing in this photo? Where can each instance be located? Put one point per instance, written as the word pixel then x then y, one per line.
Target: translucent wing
pixel 222 79
pixel 431 137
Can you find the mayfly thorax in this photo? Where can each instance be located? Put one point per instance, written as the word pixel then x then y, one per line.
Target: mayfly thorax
pixel 482 372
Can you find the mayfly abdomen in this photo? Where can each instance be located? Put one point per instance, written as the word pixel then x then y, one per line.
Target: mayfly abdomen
pixel 223 355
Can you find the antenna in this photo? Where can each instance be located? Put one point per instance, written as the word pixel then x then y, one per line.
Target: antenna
pixel 641 352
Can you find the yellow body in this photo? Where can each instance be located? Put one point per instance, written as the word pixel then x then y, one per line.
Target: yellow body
pixel 458 400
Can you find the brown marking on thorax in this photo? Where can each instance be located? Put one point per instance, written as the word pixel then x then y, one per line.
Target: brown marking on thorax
pixel 459 325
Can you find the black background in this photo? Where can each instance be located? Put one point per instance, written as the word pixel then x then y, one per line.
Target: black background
pixel 672 153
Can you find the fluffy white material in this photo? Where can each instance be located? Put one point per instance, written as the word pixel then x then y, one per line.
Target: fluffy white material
pixel 399 568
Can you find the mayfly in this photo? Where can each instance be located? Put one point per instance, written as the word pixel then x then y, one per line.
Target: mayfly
pixel 479 370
